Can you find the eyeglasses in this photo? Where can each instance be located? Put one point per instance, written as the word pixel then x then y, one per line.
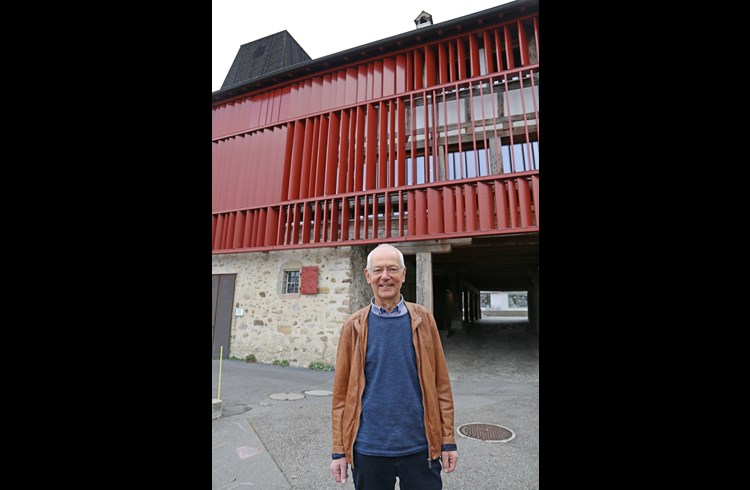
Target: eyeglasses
pixel 392 271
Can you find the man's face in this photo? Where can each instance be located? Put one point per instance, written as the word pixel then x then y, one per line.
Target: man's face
pixel 385 281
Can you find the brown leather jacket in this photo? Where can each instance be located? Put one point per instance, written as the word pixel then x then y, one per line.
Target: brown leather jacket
pixel 349 381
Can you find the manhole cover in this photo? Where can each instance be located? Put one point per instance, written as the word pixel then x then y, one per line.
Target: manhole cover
pixel 486 432
pixel 286 396
pixel 318 392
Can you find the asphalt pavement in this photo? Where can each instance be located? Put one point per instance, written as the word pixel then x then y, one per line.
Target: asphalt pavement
pixel 275 428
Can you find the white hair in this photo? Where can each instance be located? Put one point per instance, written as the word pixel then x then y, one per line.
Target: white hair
pixel 400 255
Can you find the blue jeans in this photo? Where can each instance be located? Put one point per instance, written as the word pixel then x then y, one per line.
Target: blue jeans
pixel 380 472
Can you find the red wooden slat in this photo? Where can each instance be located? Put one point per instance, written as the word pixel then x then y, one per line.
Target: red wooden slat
pixel 306 217
pixel 334 220
pixel 418 67
pixel 261 238
pixel 535 189
pixel 430 68
pixel 272 224
pixel 488 58
pixel 362 83
pixel 371 151
pixel 409 71
pixel 289 231
pixel 401 211
pixel 219 231
pixel 501 204
pixel 498 50
pixel 343 153
pixel 474 56
pixel 344 219
pixel 435 210
pixel 296 224
pixel 523 44
pixel 306 157
pixel 320 172
pixel 486 206
pixel 442 63
pixel 380 166
pixel 524 202
pixel 254 231
pixel 338 88
pixel 214 220
pixel 449 210
pixel 351 86
pixel 239 229
pixel 389 77
pixel 452 61
pixel 288 133
pixel 460 221
pixel 247 237
pixel 359 151
pixel 411 225
pixel 375 216
pixel 327 96
pixel 510 63
pixel 461 58
pixel 316 94
pixel 282 224
pixel 352 164
pixel 365 212
pixel 314 157
pixel 317 218
pixel 401 135
pixel 370 79
pixel 357 212
pixel 512 203
pixel 391 158
pixel 225 237
pixel 387 214
pixel 332 153
pixel 400 74
pixel 470 206
pixel 377 85
pixel 296 164
pixel 427 127
pixel 260 158
pixel 420 213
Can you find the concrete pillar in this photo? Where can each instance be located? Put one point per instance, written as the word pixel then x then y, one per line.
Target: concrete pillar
pixel 424 280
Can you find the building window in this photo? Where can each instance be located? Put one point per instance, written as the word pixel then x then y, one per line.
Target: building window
pixel 518 300
pixel 291 282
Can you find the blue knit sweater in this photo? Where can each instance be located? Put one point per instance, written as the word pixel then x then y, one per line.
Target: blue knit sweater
pixel 392 421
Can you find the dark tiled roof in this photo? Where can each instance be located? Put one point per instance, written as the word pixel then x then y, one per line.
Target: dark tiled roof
pixel 263 56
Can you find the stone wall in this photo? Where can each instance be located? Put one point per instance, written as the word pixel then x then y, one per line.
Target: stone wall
pixel 299 328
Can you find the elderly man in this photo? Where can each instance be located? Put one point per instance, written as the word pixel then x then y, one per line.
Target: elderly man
pixel 392 408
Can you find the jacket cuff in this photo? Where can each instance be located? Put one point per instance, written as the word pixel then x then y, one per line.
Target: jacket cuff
pixel 449 447
pixel 337 456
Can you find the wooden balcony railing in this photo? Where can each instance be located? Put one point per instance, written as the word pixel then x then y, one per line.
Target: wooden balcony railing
pixel 480 206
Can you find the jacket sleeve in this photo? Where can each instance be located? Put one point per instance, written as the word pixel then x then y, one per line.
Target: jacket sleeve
pixel 340 385
pixel 442 385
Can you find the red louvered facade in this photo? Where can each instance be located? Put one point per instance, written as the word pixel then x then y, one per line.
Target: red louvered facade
pixel 433 134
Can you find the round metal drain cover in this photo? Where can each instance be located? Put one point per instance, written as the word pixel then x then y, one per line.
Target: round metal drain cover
pixel 486 432
pixel 286 396
pixel 318 392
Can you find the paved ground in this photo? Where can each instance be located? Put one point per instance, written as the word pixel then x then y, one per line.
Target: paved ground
pixel 269 444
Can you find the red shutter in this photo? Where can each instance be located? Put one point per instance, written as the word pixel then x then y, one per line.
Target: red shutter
pixel 309 280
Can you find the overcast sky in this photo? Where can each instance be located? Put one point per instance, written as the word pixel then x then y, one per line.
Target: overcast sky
pixel 321 27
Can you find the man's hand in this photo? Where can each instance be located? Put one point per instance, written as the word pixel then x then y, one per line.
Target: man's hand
pixel 339 468
pixel 449 460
